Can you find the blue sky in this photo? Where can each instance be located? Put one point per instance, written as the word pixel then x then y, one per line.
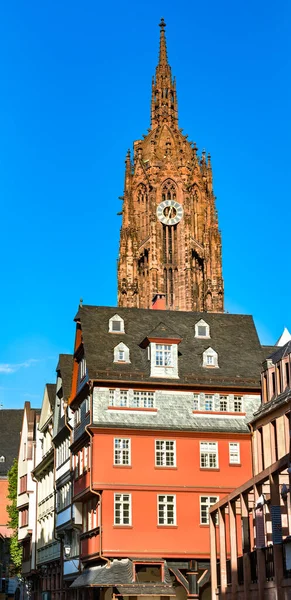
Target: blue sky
pixel 76 81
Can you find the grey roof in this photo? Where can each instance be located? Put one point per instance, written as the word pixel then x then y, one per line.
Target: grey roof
pixel 51 390
pixel 267 407
pixel 65 366
pixel 280 352
pixel 10 428
pixel 233 337
pixel 119 571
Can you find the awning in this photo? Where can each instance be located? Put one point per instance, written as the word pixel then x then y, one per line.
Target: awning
pixel 117 572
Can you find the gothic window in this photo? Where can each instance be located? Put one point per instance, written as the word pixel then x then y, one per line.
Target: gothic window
pixel 121 354
pixel 116 324
pixel 169 191
pixel 202 329
pixel 210 358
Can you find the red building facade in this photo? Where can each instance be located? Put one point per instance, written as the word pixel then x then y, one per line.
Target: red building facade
pixel 160 434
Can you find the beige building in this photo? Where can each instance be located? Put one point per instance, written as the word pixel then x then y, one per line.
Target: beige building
pixel 250 529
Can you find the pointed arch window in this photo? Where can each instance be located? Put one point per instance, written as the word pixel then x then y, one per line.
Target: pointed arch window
pixel 169 190
pixel 121 353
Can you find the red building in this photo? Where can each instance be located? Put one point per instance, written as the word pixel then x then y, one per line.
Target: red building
pixel 161 401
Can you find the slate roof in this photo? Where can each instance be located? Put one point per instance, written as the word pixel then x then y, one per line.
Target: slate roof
pixel 233 337
pixel 51 390
pixel 10 429
pixel 284 398
pixel 65 366
pixel 280 352
pixel 119 573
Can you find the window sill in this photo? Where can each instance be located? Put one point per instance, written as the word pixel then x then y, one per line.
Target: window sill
pixel 123 526
pixel 234 464
pixel 209 469
pixel 219 412
pixel 122 466
pixel 166 467
pixel 167 526
pixel 135 408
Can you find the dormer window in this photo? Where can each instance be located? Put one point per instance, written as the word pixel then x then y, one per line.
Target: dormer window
pixel 210 358
pixel 121 353
pixel 82 368
pixel 116 324
pixel 202 329
pixel 163 355
pixel 2 459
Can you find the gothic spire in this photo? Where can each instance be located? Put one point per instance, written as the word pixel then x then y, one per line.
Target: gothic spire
pixel 163 58
pixel 164 98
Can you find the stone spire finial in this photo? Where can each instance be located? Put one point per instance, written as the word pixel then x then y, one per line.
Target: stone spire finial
pixel 163 58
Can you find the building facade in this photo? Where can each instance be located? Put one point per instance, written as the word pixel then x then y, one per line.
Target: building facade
pixel 170 241
pixel 161 402
pixel 257 563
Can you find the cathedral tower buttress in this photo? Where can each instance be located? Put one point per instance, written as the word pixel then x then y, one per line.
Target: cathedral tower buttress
pixel 169 241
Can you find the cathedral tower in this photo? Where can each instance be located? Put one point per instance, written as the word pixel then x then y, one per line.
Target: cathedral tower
pixel 169 241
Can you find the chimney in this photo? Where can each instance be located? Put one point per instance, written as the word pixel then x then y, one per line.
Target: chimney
pixel 159 302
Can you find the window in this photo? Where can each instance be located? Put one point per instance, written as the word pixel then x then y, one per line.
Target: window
pixel 196 402
pixel 121 353
pixel 208 402
pixel 121 451
pixel 2 459
pixel 223 403
pixel 23 517
pixel 78 416
pixel 87 404
pixel 165 453
pixel 82 368
pixel 90 520
pixel 202 329
pixel 237 404
pixel 116 324
pixel 143 399
pixel 22 484
pixel 205 503
pixel 64 496
pixel 234 453
pixel 131 398
pixel 167 510
pixel 163 355
pixel 210 358
pixel 122 509
pixel 208 455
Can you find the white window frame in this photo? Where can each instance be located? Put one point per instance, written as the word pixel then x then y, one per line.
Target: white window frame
pixel 163 355
pixel 123 452
pixel 223 399
pixel 210 358
pixel 82 368
pixel 165 453
pixel 208 399
pixel 121 348
pixel 196 401
pixel 234 453
pixel 164 517
pixel 143 399
pixel 240 400
pixel 116 319
pixel 202 323
pixel 208 505
pixel 87 404
pixel 208 450
pixel 121 500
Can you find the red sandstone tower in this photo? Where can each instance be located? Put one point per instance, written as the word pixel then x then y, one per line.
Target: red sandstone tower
pixel 169 241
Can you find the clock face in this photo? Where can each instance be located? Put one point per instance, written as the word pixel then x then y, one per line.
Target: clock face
pixel 170 212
